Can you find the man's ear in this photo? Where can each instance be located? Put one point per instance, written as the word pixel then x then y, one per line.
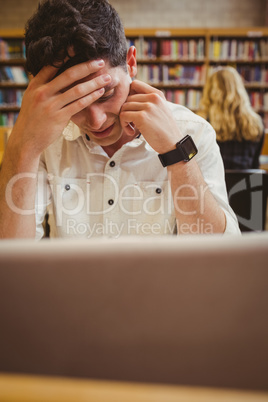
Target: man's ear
pixel 131 61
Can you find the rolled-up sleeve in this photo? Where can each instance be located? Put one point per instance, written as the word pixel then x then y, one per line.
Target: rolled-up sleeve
pixel 209 160
pixel 211 165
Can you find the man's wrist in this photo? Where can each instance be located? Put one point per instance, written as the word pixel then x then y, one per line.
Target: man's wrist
pixel 185 150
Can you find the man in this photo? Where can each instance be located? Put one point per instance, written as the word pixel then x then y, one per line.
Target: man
pixel 86 143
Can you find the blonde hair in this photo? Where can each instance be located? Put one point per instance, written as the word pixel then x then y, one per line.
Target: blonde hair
pixel 226 105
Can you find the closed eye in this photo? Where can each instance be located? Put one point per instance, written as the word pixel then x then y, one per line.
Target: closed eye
pixel 107 95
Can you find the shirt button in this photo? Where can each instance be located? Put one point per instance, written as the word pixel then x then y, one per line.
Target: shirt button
pixel 112 163
pixel 67 187
pixel 110 202
pixel 158 190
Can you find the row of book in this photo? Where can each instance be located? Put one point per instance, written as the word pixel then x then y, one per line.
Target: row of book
pixel 146 48
pixel 193 49
pixel 12 49
pixel 11 97
pixel 191 98
pixel 254 74
pixel 13 74
pixel 169 49
pixel 251 74
pixel 177 74
pixel 186 97
pixel 259 100
pixel 265 121
pixel 239 49
pixel 8 119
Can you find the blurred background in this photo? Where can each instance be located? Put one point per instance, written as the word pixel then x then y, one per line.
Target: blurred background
pixel 161 13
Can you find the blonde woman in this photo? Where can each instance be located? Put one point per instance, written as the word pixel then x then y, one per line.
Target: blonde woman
pixel 239 130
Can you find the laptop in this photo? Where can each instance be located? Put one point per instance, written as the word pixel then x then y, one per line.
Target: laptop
pixel 187 310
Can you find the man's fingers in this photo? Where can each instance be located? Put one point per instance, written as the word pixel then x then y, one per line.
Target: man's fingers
pixel 83 89
pixel 134 106
pixel 153 96
pixel 128 117
pixel 142 101
pixel 140 87
pixel 73 74
pixel 80 104
pixel 76 73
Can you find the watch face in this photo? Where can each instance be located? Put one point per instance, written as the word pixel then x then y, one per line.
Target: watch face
pixel 188 147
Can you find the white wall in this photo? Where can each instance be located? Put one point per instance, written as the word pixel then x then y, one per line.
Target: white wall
pixel 191 13
pixel 160 13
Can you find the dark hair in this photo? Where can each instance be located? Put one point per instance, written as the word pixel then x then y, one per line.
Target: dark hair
pixel 91 27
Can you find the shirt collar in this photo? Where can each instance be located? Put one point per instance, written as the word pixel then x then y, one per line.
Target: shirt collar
pixel 71 132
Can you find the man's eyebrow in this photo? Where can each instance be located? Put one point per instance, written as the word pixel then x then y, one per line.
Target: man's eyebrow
pixel 109 87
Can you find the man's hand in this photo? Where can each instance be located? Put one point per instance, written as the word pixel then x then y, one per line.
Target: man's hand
pixel 147 108
pixel 49 103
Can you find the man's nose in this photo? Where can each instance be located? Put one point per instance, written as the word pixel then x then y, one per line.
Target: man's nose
pixel 97 116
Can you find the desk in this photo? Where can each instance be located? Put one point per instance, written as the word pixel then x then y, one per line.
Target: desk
pixel 18 388
pixel 264 162
pixel 4 132
pixel 264 150
pixel 264 154
pixel 199 319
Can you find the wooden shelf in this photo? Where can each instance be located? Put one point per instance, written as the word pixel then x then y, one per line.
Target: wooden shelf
pixel 172 33
pixel 155 38
pixel 229 61
pixel 12 85
pixel 12 33
pixel 178 86
pixel 8 109
pixel 256 85
pixel 12 62
pixel 170 61
pixel 247 32
pixel 14 36
pixel 165 32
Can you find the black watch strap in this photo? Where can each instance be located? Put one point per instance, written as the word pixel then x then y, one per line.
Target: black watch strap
pixel 171 157
pixel 185 150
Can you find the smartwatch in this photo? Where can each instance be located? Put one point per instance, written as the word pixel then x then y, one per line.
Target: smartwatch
pixel 185 151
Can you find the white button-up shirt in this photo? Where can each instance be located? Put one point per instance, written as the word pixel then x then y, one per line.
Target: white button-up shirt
pixel 89 194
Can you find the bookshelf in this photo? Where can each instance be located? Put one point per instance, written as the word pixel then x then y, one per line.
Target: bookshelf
pixel 4 133
pixel 13 77
pixel 173 60
pixel 176 61
pixel 246 49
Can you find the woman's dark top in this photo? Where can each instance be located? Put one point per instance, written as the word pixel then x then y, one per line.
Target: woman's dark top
pixel 241 154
